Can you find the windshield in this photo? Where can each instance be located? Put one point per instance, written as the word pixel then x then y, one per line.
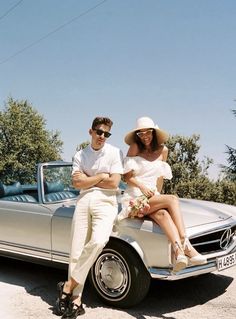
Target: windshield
pixel 57 183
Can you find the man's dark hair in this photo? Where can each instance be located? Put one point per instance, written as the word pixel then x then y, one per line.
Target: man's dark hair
pixel 101 120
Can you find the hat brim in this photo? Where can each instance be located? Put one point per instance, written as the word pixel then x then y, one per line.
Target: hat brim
pixel 161 135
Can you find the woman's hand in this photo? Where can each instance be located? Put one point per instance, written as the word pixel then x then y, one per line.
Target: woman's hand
pixel 146 191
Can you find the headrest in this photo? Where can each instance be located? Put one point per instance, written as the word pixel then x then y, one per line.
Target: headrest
pixel 9 190
pixel 53 187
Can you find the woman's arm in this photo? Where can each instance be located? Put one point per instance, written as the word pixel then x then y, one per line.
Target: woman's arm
pixel 133 150
pixel 165 153
pixel 131 180
pixel 160 180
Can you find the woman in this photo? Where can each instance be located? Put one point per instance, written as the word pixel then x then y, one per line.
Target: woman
pixel 145 167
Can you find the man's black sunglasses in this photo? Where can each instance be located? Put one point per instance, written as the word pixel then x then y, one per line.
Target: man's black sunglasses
pixel 100 132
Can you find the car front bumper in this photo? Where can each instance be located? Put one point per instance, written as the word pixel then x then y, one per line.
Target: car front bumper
pixel 168 274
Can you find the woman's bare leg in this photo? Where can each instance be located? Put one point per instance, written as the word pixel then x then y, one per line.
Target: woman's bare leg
pixel 170 203
pixel 164 220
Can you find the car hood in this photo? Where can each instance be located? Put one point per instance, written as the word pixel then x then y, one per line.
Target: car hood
pixel 199 212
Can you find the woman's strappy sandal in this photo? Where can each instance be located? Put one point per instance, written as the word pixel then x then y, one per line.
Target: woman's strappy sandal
pixel 181 261
pixel 62 301
pixel 198 259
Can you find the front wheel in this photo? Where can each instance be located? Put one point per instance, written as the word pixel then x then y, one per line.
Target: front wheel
pixel 119 276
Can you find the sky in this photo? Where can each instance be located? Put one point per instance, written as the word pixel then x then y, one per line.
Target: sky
pixel 171 60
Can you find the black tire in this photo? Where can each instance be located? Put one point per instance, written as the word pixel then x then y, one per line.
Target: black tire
pixel 119 276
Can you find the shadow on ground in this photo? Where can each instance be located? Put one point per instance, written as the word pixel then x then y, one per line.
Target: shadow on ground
pixel 164 297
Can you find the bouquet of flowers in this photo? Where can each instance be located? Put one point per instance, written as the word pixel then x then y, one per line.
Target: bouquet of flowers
pixel 136 207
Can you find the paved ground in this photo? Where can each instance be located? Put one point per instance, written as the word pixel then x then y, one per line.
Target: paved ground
pixel 28 291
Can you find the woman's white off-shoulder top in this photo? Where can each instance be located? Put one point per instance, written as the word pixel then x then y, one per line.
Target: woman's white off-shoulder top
pixel 146 172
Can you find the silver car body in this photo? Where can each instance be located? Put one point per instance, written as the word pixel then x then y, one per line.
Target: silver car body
pixel 40 231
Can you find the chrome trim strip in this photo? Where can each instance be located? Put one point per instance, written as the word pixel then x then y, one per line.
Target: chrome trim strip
pixel 22 255
pixel 24 247
pixel 207 242
pixel 214 230
pixel 65 262
pixel 60 254
pixel 230 249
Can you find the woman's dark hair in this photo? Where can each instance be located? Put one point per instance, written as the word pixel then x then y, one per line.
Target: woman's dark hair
pixel 141 146
pixel 101 120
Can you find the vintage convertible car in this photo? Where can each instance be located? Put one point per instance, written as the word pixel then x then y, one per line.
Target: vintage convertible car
pixel 35 223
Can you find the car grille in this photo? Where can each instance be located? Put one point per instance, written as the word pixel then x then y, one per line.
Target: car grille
pixel 215 241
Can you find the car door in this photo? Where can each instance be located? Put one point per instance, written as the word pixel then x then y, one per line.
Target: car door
pixel 61 230
pixel 25 228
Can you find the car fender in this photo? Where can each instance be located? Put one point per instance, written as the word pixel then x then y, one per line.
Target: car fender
pixel 133 244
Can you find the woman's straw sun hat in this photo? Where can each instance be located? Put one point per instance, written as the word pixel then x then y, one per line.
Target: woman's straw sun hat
pixel 146 123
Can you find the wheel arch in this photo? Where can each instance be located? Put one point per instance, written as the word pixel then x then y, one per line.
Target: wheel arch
pixel 130 243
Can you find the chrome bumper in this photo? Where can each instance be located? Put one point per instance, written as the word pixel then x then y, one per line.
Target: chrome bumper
pixel 167 274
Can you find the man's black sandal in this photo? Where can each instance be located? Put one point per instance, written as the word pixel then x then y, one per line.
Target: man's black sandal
pixel 62 301
pixel 73 311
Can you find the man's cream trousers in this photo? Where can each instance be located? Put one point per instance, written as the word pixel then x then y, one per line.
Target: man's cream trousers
pixel 92 224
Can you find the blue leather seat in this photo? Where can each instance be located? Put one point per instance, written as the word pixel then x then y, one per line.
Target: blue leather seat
pixel 54 197
pixel 20 198
pixel 55 192
pixel 14 193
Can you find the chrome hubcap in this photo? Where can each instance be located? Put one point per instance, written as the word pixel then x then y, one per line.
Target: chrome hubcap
pixel 112 275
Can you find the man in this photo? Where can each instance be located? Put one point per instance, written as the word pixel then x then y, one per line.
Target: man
pixel 96 172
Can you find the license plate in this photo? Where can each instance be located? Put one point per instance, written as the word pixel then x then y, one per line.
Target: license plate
pixel 226 261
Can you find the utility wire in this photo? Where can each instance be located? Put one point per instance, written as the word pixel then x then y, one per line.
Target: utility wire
pixel 52 32
pixel 11 9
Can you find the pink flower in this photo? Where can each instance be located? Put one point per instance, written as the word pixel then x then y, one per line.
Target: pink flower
pixel 138 206
pixel 131 202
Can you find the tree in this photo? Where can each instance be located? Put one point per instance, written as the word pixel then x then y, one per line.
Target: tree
pixel 190 176
pixel 230 170
pixel 186 167
pixel 24 142
pixel 82 145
